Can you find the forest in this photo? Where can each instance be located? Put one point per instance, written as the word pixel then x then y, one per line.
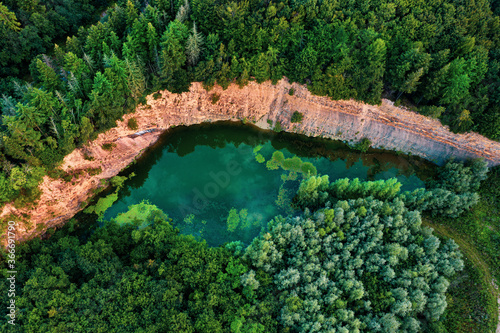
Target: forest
pixel 65 78
pixel 354 257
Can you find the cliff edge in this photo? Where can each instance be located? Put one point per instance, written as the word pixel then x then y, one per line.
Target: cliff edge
pixel 385 125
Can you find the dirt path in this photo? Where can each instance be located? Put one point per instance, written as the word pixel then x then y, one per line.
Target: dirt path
pixel 498 326
pixel 470 252
pixel 385 125
pixel 498 301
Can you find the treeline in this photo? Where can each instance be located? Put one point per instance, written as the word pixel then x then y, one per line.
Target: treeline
pixel 363 264
pixel 451 193
pixel 442 55
pixel 358 258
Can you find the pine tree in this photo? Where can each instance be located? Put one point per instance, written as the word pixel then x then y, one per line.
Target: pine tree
pixel 261 68
pixel 457 83
pixel 130 13
pixel 194 46
pixel 86 130
pixel 370 67
pixel 8 19
pixel 172 55
pixel 136 79
pixel 183 12
pixel 47 76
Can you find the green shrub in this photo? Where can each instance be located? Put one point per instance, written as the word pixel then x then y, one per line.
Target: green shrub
pixel 259 158
pixel 278 156
pixel 297 117
pixel 59 174
pixel 461 177
pixel 109 146
pixel 132 124
pixel 293 163
pixel 432 111
pixel 307 168
pixel 94 171
pixel 102 205
pixel 363 145
pixel 277 127
pixel 88 157
pixel 233 220
pixel 117 181
pixel 215 98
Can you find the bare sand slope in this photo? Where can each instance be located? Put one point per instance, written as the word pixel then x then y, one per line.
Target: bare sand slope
pixel 386 126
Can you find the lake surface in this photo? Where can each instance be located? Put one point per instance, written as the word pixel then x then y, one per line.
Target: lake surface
pixel 198 174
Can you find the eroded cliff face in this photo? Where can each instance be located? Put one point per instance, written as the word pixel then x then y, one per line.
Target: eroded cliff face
pixel 386 126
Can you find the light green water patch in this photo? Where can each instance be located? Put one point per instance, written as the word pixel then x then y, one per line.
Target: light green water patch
pixel 215 183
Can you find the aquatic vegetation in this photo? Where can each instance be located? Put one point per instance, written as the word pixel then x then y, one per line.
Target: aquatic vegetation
pixel 237 219
pixel 294 163
pixel 102 205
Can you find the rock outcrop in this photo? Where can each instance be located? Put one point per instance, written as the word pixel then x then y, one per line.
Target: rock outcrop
pixel 385 125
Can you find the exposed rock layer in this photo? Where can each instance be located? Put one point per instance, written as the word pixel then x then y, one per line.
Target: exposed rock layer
pixel 386 126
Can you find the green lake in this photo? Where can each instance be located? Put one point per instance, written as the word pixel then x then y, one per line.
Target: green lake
pixel 197 174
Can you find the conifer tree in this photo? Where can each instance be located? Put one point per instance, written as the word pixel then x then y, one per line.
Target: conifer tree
pixel 8 19
pixel 194 46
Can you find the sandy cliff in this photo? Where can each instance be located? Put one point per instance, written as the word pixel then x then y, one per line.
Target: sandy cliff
pixel 386 126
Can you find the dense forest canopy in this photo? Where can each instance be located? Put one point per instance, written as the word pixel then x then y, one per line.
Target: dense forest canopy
pixel 30 27
pixel 443 56
pixel 363 264
pixel 357 266
pixel 356 257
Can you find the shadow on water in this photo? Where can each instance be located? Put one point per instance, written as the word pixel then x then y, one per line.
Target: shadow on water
pixel 183 140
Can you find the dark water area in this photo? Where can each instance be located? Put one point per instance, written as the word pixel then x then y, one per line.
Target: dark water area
pixel 198 174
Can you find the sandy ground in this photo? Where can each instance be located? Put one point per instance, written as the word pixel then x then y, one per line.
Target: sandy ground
pixel 385 125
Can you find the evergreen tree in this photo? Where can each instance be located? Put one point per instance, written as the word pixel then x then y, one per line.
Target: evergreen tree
pixel 8 19
pixel 194 45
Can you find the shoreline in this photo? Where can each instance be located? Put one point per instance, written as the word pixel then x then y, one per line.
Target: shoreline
pixel 387 127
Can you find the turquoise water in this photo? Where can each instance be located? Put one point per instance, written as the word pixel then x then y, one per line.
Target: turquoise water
pixel 196 175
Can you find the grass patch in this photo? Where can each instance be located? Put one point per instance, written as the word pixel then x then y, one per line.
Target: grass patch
pixel 94 171
pixel 473 299
pixel 471 305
